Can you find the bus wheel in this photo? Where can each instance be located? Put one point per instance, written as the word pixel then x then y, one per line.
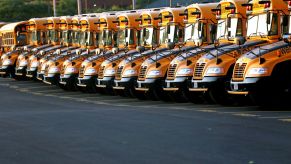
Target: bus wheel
pixel 140 95
pixel 196 97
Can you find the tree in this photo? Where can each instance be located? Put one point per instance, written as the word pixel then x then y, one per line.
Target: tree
pixel 67 7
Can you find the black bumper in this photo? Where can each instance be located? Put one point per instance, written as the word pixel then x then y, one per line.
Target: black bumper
pixel 105 82
pixel 68 79
pixel 177 83
pixel 86 81
pixel 30 73
pixel 20 71
pixel 52 79
pixel 147 84
pixel 206 83
pixel 6 70
pixel 124 83
pixel 247 85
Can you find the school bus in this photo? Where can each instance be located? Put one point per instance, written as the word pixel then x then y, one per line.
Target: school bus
pixel 153 70
pixel 70 41
pixel 2 50
pixel 88 60
pixel 212 73
pixel 52 38
pixel 127 69
pixel 32 31
pixel 88 32
pixel 263 74
pixel 199 33
pixel 127 42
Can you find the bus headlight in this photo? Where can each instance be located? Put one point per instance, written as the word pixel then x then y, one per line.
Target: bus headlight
pixel 130 72
pixel 54 70
pixel 7 62
pixel 184 71
pixel 34 64
pixel 214 70
pixel 70 70
pixel 110 72
pixel 90 71
pixel 258 71
pixel 23 63
pixel 154 73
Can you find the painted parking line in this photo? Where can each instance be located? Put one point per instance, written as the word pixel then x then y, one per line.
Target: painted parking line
pixel 285 120
pixel 245 115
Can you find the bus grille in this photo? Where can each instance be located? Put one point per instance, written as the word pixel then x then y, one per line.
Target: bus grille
pixel 239 70
pixel 101 72
pixel 118 73
pixel 171 71
pixel 142 72
pixel 82 71
pixel 199 69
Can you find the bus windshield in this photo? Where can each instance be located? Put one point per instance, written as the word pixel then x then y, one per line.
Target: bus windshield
pixel 76 37
pixel 169 34
pixel 193 32
pixel 258 25
pixel 52 35
pixel 86 38
pixel 231 30
pixel 125 36
pixel 105 38
pixel 146 36
pixel 67 36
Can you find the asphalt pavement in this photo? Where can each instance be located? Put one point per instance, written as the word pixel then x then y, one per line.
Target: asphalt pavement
pixel 42 124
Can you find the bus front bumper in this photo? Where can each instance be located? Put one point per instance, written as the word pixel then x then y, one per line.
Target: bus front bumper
pixel 124 82
pixel 106 82
pixel 86 81
pixel 175 84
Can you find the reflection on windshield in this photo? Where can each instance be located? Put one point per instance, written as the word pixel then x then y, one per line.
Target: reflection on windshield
pixel 67 36
pixel 86 38
pixel 192 32
pixel 105 38
pixel 221 29
pixel 233 30
pixel 146 36
pixel 257 25
pixel 125 36
pixel 52 35
pixel 76 37
pixel 170 34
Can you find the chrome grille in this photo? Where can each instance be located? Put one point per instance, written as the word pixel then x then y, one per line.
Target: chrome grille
pixel 199 68
pixel 142 72
pixel 171 71
pixel 101 72
pixel 239 70
pixel 118 73
pixel 81 72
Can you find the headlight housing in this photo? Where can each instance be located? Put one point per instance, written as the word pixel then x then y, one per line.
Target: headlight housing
pixel 185 71
pixel 23 63
pixel 154 73
pixel 129 72
pixel 70 70
pixel 34 64
pixel 109 72
pixel 54 70
pixel 7 62
pixel 90 71
pixel 215 70
pixel 258 71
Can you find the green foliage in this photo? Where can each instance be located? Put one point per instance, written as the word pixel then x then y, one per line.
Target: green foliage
pixel 17 10
pixel 142 3
pixel 67 7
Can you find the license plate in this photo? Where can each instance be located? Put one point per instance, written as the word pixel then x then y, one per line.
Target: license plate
pixel 99 82
pixel 195 85
pixel 116 84
pixel 139 85
pixel 235 86
pixel 168 85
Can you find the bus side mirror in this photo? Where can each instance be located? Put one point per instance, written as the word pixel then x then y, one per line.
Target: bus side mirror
pixel 229 22
pixel 269 18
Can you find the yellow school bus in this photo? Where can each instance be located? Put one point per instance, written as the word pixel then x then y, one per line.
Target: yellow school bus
pixel 153 70
pixel 88 62
pixel 52 37
pixel 128 68
pixel 30 34
pixel 88 33
pixel 199 34
pixel 70 40
pixel 212 73
pixel 263 73
pixel 126 44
